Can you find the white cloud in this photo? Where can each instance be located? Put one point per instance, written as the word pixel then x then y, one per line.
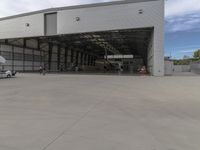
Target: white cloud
pixel 182 15
pixel 181 7
pixel 188 51
pixel 183 23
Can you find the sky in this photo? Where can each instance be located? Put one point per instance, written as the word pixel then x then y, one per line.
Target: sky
pixel 182 20
pixel 182 29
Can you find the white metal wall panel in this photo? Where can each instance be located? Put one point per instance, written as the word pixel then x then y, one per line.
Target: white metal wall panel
pixel 37 52
pixel 19 68
pixel 53 66
pixel 36 68
pixel 68 59
pixel 6 48
pixel 7 67
pixel 28 51
pixel 18 63
pixel 110 17
pixel 54 57
pixel 8 62
pixel 18 50
pixel 16 42
pixel 32 43
pixel 28 63
pixel 62 51
pixel 55 49
pixel 37 64
pixel 17 27
pixel 27 68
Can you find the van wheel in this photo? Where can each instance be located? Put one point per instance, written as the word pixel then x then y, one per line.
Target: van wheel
pixel 8 76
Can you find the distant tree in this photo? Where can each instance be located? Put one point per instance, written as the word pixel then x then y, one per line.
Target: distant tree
pixel 186 60
pixel 182 61
pixel 186 57
pixel 197 54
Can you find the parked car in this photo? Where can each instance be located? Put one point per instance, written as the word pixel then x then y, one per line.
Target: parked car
pixel 7 74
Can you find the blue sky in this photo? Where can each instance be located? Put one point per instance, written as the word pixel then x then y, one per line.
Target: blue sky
pixel 182 30
pixel 182 17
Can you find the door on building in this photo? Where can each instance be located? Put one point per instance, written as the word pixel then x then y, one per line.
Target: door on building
pixel 50 24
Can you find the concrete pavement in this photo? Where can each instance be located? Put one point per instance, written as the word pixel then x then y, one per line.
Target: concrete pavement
pixel 94 112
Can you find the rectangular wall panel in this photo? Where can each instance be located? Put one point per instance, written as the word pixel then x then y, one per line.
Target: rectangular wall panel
pixel 51 24
pixel 27 26
pixel 111 17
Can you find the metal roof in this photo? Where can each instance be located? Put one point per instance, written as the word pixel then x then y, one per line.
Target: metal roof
pixel 120 2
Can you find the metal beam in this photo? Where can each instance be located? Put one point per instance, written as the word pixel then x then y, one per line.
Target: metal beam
pixel 50 56
pixel 66 57
pixel 58 57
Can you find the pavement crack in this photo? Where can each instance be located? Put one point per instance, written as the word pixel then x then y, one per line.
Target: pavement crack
pixel 74 124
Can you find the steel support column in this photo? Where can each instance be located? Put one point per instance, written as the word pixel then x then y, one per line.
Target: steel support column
pixel 38 47
pixel 95 61
pixel 81 58
pixel 12 57
pixel 58 58
pixel 77 58
pixel 72 56
pixel 33 58
pixel 85 59
pixel 24 45
pixel 66 57
pixel 50 56
pixel 92 61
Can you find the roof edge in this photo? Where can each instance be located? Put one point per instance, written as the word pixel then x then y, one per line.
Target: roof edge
pixel 118 2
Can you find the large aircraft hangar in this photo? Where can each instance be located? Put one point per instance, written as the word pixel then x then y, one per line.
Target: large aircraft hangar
pixel 91 37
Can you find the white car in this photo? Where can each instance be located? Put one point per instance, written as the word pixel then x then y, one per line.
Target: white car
pixel 6 74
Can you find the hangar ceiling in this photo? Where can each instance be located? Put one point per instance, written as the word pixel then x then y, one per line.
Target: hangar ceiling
pixel 132 41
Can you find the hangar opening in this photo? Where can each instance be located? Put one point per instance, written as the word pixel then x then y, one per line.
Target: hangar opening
pixel 98 52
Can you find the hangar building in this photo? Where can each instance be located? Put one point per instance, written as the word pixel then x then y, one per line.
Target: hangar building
pixel 91 37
